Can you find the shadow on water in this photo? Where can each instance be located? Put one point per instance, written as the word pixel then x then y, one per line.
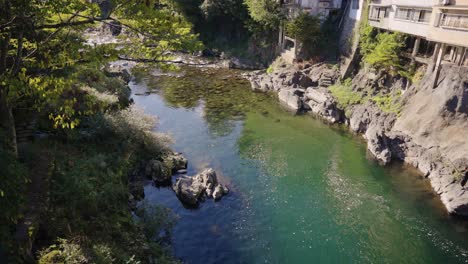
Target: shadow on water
pixel 300 190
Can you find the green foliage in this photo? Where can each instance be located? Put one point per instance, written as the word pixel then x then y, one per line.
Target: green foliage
pixel 265 12
pixel 385 54
pixel 344 94
pixel 307 30
pixel 63 252
pixel 275 65
pixel 367 33
pixel 38 56
pixel 388 103
pixel 367 40
pixel 89 192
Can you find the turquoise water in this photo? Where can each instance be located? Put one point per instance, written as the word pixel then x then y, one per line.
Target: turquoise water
pixel 301 191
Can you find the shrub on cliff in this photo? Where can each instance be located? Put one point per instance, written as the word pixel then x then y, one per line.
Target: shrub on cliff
pixel 344 94
pixel 385 54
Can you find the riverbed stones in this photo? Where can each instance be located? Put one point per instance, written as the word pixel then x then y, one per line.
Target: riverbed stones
pixel 190 190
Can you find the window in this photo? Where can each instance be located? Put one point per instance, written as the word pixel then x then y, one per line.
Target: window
pixel 416 15
pixel 424 16
pixel 355 4
pixel 404 13
pixel 455 21
pixel 377 13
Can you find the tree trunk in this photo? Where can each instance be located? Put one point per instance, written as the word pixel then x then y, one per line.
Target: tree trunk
pixel 7 123
pixel 7 120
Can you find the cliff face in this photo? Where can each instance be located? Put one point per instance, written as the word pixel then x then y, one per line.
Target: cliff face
pixel 434 125
pixel 430 133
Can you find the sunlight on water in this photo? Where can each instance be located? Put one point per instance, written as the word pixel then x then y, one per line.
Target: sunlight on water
pixel 301 192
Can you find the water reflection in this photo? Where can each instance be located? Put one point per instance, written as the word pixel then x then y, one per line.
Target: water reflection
pixel 221 92
pixel 301 192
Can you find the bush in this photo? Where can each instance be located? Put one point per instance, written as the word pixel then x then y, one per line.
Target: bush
pixel 385 54
pixel 135 127
pixel 306 29
pixel 388 103
pixel 275 65
pixel 62 252
pixel 266 12
pixel 367 40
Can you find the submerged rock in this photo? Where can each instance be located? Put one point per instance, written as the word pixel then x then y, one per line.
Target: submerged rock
pixel 190 190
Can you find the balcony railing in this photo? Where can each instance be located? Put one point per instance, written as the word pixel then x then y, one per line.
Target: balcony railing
pixel 454 21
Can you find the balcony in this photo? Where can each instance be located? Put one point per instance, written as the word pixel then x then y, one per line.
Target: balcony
pixel 454 21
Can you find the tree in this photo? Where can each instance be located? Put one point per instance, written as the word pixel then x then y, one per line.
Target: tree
pixel 384 54
pixel 306 29
pixel 266 12
pixel 41 40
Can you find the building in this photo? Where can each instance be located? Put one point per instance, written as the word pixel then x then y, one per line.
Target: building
pixel 288 45
pixel 441 26
pixel 349 36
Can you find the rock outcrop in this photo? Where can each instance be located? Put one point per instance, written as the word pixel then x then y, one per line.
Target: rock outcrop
pixel 301 90
pixel 430 133
pixel 160 171
pixel 190 190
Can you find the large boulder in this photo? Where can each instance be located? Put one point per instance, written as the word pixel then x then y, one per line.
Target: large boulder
pixel 175 162
pixel 322 104
pixel 190 190
pixel 378 145
pixel 290 98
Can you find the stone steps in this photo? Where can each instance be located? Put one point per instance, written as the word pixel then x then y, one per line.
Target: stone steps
pixel 25 132
pixel 325 80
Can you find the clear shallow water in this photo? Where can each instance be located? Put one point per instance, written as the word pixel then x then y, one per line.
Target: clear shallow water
pixel 301 192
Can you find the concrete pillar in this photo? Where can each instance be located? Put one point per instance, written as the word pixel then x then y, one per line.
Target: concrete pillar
pixel 431 67
pixel 416 47
pixel 440 56
pixel 281 37
pixel 296 43
pixel 452 53
pixel 460 51
pixel 463 57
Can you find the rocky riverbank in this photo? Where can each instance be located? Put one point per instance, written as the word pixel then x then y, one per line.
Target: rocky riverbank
pixel 428 131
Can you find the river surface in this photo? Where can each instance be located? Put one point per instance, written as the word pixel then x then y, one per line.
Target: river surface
pixel 301 191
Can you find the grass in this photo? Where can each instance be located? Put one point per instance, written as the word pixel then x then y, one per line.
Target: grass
pixel 344 94
pixel 388 103
pixel 346 97
pixel 275 65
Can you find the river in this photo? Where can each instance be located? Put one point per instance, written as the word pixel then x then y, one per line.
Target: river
pixel 301 191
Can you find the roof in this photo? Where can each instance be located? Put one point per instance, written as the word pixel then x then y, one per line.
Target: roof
pixel 415 7
pixel 379 5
